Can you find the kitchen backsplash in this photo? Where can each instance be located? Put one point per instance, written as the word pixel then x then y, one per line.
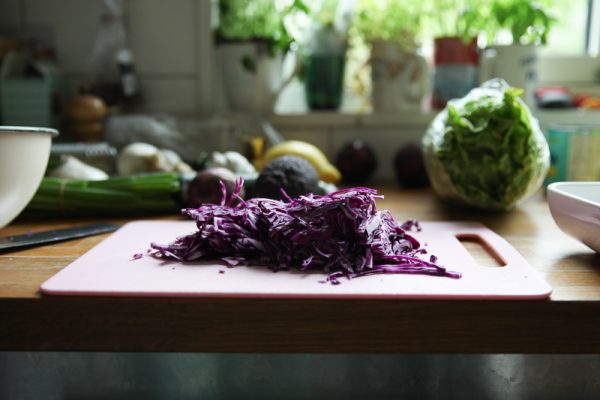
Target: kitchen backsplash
pixel 172 45
pixel 165 37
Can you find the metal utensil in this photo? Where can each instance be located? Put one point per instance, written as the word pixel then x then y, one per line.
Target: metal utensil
pixel 52 236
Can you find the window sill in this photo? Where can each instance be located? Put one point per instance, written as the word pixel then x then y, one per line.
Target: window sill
pixel 291 112
pixel 332 119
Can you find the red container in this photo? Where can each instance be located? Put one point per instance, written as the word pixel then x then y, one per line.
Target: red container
pixel 455 69
pixel 454 50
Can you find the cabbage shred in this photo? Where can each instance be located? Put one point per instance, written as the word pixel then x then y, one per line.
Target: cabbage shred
pixel 342 234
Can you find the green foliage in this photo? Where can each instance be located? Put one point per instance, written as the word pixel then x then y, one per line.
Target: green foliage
pixel 325 14
pixel 389 20
pixel 489 150
pixel 257 20
pixel 456 18
pixel 528 21
pixel 129 195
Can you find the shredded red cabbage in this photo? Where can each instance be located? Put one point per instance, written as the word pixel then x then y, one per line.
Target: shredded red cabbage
pixel 341 233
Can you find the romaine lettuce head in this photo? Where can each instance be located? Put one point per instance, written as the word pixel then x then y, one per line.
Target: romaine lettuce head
pixel 486 149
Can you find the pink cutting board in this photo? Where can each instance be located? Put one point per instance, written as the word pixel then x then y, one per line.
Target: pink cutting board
pixel 109 269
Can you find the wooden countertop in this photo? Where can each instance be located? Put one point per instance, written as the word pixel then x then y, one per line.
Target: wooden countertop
pixel 567 323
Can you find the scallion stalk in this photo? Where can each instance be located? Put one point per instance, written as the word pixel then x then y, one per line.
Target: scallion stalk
pixel 133 195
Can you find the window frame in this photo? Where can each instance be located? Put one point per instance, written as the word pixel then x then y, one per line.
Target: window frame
pixel 584 70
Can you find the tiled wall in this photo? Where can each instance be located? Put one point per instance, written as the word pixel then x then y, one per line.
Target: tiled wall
pixel 169 40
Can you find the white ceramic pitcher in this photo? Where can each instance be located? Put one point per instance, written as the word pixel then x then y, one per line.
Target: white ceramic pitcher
pixel 252 78
pixel 516 64
pixel 400 79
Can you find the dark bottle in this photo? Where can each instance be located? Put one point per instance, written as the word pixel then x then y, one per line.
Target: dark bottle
pixel 130 88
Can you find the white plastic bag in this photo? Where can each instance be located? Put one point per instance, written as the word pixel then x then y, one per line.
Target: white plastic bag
pixel 486 149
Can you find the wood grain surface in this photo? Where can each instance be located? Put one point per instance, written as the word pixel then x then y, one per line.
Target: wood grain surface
pixel 567 323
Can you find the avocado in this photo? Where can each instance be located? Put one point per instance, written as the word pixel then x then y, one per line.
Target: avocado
pixel 295 175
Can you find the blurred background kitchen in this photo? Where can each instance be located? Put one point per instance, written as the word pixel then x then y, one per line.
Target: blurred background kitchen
pixel 197 76
pixel 174 87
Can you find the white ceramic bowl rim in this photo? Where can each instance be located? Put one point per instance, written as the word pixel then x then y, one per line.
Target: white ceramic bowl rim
pixel 558 188
pixel 28 129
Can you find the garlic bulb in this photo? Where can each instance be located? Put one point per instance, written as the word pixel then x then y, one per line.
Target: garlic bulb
pixel 72 168
pixel 233 161
pixel 139 158
pixel 175 163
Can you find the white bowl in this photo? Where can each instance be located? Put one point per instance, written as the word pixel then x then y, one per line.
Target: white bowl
pixel 24 154
pixel 575 207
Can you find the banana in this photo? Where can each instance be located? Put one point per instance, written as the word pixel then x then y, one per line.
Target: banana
pixel 309 152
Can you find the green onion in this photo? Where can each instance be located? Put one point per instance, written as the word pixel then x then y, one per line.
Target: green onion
pixel 132 195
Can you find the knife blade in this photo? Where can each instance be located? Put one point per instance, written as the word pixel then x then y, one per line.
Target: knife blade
pixel 52 236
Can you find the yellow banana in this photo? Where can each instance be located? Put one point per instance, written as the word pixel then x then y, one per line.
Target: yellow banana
pixel 309 152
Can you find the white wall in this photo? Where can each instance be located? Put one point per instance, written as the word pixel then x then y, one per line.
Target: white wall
pixel 167 38
pixel 172 43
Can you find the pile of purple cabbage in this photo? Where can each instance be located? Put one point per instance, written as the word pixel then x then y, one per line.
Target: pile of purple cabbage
pixel 341 234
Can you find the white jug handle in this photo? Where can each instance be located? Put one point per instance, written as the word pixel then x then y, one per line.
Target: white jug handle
pixel 425 80
pixel 293 73
pixel 487 62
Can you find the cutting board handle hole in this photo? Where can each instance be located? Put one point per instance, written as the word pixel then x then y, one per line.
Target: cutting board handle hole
pixel 481 251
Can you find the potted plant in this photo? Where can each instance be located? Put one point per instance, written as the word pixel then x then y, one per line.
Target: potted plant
pixel 398 72
pixel 252 40
pixel 526 24
pixel 455 25
pixel 324 54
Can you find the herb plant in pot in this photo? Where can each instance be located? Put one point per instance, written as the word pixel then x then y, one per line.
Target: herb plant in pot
pixel 324 54
pixel 398 72
pixel 455 25
pixel 252 40
pixel 528 23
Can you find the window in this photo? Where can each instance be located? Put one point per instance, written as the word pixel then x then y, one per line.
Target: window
pixel 593 28
pixel 568 37
pixel 570 58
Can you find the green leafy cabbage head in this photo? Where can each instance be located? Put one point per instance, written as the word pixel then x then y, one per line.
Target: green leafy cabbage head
pixel 486 150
